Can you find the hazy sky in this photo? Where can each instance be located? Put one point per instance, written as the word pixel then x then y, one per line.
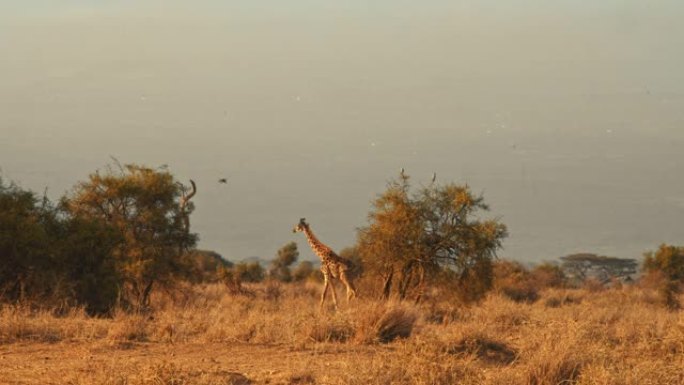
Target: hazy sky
pixel 567 115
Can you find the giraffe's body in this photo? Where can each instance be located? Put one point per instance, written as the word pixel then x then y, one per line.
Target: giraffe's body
pixel 332 265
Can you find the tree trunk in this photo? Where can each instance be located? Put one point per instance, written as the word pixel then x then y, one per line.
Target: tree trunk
pixel 387 286
pixel 421 285
pixel 145 299
pixel 405 280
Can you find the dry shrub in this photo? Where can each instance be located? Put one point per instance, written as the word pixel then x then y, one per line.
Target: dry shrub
pixel 330 330
pixel 669 295
pixel 395 323
pixel 232 280
pixel 554 302
pixel 129 328
pixel 385 324
pixel 666 290
pixel 520 292
pixel 440 313
pixel 548 275
pixel 273 291
pixel 485 349
pixel 652 280
pixel 515 282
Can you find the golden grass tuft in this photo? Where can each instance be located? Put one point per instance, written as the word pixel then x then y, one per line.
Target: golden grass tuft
pixel 129 328
pixel 563 368
pixel 385 323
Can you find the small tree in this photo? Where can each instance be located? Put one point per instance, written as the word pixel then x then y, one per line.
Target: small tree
pixel 548 275
pixel 249 272
pixel 144 206
pixel 514 281
pixel 280 266
pixel 24 243
pixel 667 263
pixel 354 255
pixel 52 257
pixel 667 259
pixel 412 236
pixel 86 248
pixel 303 271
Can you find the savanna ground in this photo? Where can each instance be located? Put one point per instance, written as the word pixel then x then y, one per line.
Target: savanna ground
pixel 276 335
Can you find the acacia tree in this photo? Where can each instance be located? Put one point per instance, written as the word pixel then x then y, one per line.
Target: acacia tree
pixel 144 206
pixel 583 265
pixel 411 237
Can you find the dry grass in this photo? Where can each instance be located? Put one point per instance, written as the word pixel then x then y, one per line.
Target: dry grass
pixel 207 336
pixel 385 323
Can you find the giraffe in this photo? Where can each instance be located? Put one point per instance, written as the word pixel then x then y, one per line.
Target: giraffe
pixel 332 265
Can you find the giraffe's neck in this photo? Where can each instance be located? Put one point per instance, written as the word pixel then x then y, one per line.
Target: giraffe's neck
pixel 320 249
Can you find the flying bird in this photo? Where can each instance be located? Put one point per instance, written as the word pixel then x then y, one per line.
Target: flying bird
pixel 434 177
pixel 223 180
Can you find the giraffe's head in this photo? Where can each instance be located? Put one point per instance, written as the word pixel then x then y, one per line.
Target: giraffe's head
pixel 301 226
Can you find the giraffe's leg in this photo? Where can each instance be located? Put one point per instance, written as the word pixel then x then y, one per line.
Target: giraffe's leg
pixel 326 283
pixel 334 294
pixel 351 290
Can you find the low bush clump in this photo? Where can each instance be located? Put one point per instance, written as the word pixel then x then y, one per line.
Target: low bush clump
pixel 385 324
pixel 556 301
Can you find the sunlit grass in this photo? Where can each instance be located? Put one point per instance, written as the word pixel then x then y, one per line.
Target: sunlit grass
pixel 614 336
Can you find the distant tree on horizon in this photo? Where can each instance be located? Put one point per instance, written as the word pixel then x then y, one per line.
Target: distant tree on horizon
pixel 582 266
pixel 280 266
pixel 249 272
pixel 303 271
pixel 204 265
